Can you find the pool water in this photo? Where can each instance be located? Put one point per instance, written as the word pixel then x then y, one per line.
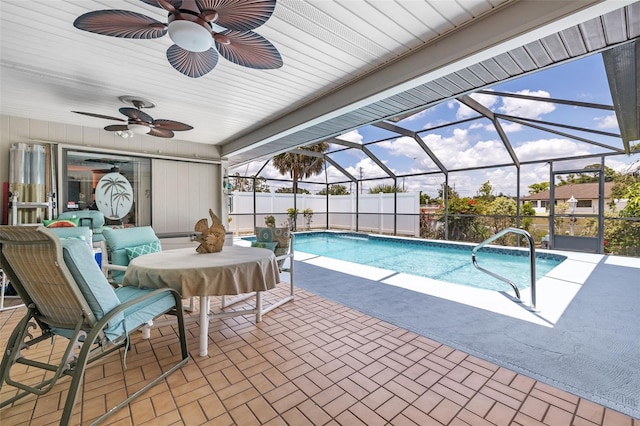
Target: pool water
pixel 443 261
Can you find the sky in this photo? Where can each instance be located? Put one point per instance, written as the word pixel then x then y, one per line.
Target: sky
pixel 476 143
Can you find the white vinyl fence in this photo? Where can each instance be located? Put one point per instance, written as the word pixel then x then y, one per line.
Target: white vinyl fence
pixel 376 212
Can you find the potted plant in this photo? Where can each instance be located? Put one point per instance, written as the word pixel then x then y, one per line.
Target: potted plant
pixel 270 221
pixel 308 214
pixel 292 216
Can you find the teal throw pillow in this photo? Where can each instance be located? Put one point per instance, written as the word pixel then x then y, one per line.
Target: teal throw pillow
pixel 266 245
pixel 133 252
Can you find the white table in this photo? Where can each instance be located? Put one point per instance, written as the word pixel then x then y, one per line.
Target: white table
pixel 234 270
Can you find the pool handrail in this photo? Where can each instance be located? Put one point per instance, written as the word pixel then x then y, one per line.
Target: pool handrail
pixel 532 260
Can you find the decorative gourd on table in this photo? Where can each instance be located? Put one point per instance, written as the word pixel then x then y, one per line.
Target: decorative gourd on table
pixel 211 238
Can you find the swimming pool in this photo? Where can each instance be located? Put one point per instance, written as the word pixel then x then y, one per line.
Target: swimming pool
pixel 443 261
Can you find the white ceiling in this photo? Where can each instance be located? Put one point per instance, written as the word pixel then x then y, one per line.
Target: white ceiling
pixel 340 59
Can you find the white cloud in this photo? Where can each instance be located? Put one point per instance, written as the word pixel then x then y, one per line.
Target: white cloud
pixel 466 112
pixel 607 122
pixel 549 148
pixel 527 108
pixel 510 127
pixel 352 136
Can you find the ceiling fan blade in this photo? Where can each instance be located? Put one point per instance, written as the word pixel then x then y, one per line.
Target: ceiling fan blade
pixel 120 23
pixel 192 64
pixel 106 161
pixel 116 127
pixel 171 125
pixel 136 115
pixel 249 49
pixel 106 117
pixel 177 4
pixel 239 15
pixel 161 133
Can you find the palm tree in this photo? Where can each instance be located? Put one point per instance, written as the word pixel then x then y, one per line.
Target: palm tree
pixel 300 166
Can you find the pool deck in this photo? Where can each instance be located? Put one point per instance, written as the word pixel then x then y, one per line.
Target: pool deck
pixel 554 291
pixel 583 336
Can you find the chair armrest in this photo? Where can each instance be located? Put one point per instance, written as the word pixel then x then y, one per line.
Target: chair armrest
pixel 103 322
pixel 107 266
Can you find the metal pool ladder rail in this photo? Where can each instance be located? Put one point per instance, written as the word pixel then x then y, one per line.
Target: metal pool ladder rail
pixel 532 259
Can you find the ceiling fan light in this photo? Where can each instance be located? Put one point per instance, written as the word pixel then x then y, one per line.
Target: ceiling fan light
pixel 125 134
pixel 190 36
pixel 139 129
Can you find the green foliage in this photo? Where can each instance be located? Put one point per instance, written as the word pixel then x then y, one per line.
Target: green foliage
pixel 536 188
pixel 298 165
pixel 485 192
pixel 632 209
pixel 622 237
pixel 588 177
pixel 335 190
pixel 292 217
pixel 385 189
pixel 450 192
pixel 244 184
pixel 502 211
pixel 426 199
pixel 290 191
pixel 463 223
pixel 307 214
pixel 270 221
pixel 526 216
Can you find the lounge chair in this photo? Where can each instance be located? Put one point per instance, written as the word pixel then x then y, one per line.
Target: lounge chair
pixel 67 295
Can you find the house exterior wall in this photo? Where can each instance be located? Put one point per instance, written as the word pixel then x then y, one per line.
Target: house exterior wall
pixel 22 130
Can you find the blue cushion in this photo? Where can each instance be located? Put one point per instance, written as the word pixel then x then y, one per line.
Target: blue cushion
pixel 118 240
pixel 281 236
pixel 81 233
pixel 143 312
pixel 102 298
pixel 92 283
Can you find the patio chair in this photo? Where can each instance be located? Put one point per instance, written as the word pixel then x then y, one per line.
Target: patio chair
pixel 68 296
pixel 125 244
pixel 280 240
pixel 92 219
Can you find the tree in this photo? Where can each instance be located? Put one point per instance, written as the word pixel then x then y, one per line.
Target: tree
pixel 245 184
pixel 300 166
pixel 527 212
pixel 588 177
pixel 536 188
pixel 335 190
pixel 503 210
pixel 450 192
pixel 485 192
pixel 289 191
pixel 632 209
pixel 622 236
pixel 385 189
pixel 426 199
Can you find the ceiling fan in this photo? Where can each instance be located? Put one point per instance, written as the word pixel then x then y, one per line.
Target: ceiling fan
pixel 200 30
pixel 140 122
pixel 114 164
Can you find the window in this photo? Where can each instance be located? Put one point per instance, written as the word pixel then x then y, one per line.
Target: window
pixel 119 186
pixel 584 203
